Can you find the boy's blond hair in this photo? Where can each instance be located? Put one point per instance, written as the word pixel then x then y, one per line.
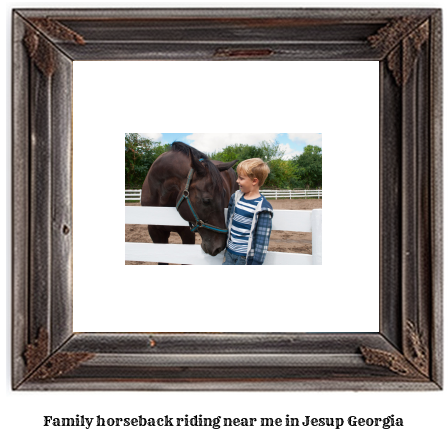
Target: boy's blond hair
pixel 254 168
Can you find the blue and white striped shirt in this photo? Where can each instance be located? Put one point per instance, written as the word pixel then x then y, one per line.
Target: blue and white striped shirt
pixel 241 225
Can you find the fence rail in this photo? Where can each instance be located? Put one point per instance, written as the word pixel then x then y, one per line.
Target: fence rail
pixel 286 220
pixel 292 194
pixel 135 195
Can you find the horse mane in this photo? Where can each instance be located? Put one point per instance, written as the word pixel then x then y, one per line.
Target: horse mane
pixel 179 146
pixel 215 174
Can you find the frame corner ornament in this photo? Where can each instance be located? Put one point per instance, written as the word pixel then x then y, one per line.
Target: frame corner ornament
pixel 40 49
pixel 401 57
pixel 395 362
pixel 40 365
pixel 417 348
pixel 37 351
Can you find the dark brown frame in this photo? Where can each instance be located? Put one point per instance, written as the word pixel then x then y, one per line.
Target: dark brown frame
pixel 406 354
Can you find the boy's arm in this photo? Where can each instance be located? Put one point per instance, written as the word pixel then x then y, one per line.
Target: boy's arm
pixel 261 237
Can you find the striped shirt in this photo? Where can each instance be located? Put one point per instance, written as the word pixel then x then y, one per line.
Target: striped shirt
pixel 241 225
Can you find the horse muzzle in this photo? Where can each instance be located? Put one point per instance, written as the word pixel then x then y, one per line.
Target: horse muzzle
pixel 212 246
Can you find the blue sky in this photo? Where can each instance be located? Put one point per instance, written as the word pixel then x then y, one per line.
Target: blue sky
pixel 292 144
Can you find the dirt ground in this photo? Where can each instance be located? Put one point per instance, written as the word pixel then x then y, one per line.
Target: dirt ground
pixel 281 241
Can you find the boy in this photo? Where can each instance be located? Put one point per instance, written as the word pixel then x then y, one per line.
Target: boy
pixel 249 216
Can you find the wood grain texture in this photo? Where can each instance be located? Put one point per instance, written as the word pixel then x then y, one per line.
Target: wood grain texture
pixel 436 195
pixel 20 207
pixel 406 353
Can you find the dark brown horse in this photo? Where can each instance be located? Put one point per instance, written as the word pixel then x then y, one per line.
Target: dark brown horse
pixel 210 188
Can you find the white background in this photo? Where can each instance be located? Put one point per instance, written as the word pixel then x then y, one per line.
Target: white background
pixel 339 296
pixel 423 413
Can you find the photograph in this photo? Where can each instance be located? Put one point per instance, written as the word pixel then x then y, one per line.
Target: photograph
pixel 272 183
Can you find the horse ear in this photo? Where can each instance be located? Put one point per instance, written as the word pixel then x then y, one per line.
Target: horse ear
pixel 197 166
pixel 225 166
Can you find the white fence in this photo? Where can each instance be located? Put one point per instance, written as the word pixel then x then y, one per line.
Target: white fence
pixel 277 194
pixel 286 220
pixel 134 195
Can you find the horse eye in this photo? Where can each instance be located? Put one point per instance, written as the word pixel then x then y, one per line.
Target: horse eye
pixel 206 201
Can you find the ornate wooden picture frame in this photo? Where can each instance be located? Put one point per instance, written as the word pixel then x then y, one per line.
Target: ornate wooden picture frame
pixel 406 353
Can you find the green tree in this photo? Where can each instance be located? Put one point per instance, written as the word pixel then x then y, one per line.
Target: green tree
pixel 236 151
pixel 308 167
pixel 272 154
pixel 140 153
pixel 281 171
pixel 282 175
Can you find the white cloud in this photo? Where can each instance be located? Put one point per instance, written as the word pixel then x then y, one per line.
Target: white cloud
pixel 312 139
pixel 289 151
pixel 155 137
pixel 208 143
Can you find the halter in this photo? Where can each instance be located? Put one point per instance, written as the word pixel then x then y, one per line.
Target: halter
pixel 199 223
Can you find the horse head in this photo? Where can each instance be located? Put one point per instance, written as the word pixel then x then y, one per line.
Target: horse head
pixel 203 201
